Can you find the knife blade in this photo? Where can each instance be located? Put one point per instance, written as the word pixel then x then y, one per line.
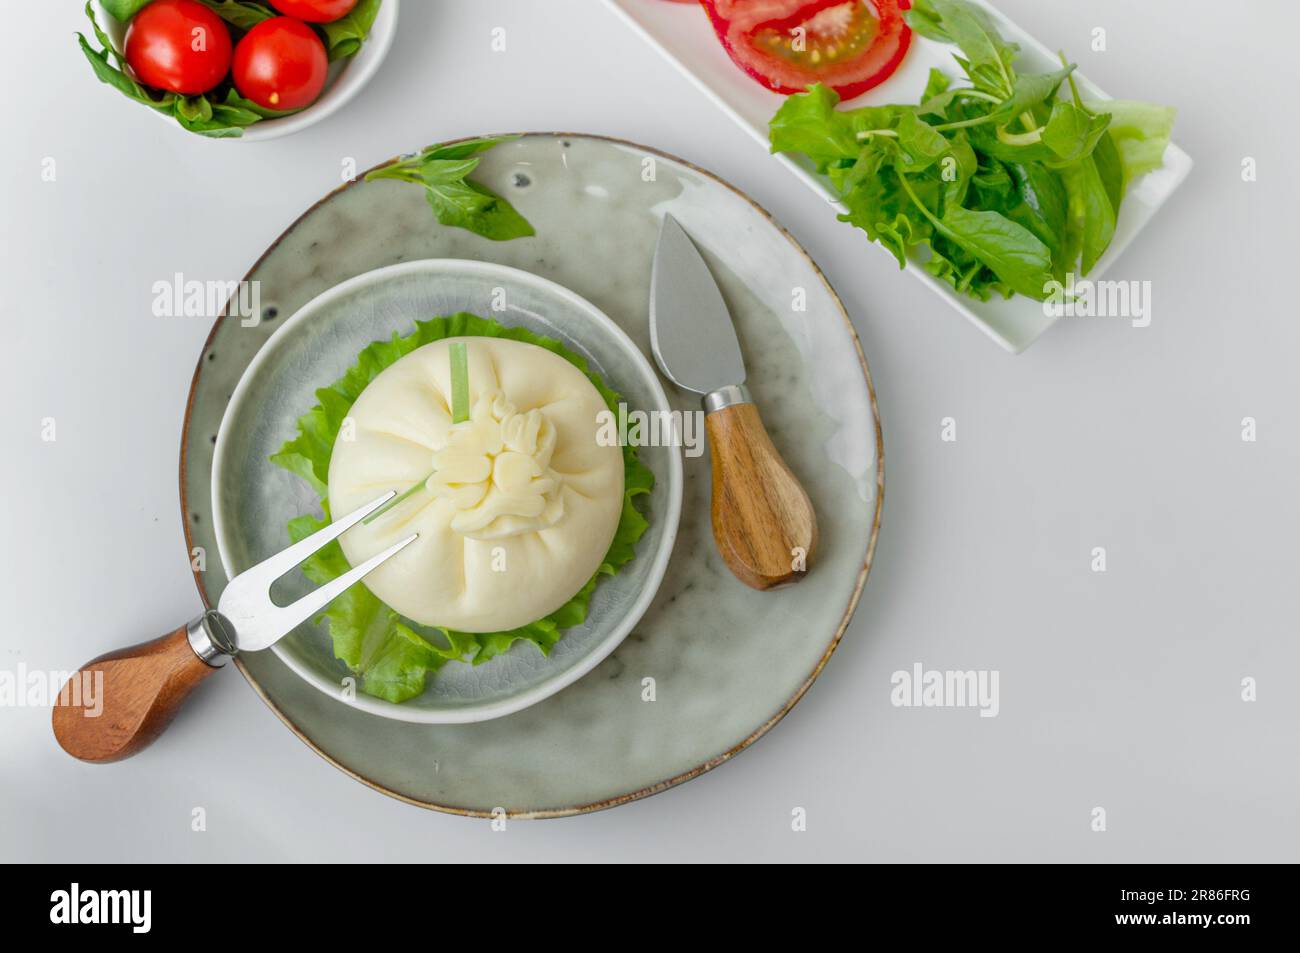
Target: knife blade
pixel 691 332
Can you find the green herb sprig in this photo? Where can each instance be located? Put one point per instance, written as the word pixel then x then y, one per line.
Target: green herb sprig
pixel 443 172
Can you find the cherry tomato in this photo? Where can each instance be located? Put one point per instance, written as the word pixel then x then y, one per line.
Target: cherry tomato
pixel 280 64
pixel 315 11
pixel 178 45
pixel 787 45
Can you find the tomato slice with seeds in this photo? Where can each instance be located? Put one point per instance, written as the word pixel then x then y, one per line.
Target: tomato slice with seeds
pixel 787 45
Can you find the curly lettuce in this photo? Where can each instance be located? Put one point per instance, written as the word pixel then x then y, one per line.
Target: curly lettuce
pixel 392 655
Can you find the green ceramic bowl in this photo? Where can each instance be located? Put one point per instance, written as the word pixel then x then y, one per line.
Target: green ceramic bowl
pixel 253 500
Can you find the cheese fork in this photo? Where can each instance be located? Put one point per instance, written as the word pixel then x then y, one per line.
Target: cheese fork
pixel 115 705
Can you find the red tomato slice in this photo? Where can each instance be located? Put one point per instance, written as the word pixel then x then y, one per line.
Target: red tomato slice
pixel 787 45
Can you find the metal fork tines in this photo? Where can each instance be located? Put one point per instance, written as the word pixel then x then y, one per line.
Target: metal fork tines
pixel 246 602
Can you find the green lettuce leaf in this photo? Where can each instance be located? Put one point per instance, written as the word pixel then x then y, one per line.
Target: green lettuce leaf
pixel 241 15
pixel 988 58
pixel 1140 131
pixel 124 10
pixel 393 655
pixel 344 36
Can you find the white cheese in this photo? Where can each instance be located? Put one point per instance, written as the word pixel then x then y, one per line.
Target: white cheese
pixel 523 500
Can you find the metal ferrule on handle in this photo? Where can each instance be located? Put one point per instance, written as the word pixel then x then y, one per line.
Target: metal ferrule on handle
pixel 725 397
pixel 211 638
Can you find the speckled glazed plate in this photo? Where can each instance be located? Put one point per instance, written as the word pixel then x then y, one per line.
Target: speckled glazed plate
pixel 712 664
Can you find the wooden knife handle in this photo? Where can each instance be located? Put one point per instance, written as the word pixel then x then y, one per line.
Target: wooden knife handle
pixel 120 702
pixel 763 522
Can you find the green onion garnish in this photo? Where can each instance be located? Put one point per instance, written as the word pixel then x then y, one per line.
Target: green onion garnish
pixel 459 383
pixel 409 491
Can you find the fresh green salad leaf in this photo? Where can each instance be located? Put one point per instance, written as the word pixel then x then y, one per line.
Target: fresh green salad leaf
pixel 812 125
pixel 1028 92
pixel 1140 131
pixel 988 57
pixel 1003 186
pixel 456 201
pixel 343 37
pixel 236 101
pixel 240 14
pixel 124 10
pixel 393 655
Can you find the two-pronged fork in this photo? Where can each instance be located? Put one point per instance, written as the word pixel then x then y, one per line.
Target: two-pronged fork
pixel 120 702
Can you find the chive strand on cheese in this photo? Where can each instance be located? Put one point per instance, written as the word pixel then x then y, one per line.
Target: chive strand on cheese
pixel 459 382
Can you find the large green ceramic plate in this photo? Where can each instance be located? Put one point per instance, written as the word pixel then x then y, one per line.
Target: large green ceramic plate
pixel 712 665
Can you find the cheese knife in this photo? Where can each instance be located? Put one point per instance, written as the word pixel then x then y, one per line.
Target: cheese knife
pixel 763 521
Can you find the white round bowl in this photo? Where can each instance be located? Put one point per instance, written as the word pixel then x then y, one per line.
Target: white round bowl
pixel 345 78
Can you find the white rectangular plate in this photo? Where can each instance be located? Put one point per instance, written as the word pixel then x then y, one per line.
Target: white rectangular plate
pixel 681 32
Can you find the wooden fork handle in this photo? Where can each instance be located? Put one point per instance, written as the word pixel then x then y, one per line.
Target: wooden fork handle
pixel 117 704
pixel 763 522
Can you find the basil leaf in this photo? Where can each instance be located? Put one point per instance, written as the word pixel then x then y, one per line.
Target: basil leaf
pixel 992 185
pixel 114 77
pixel 456 201
pixel 229 115
pixel 465 148
pixel 1011 251
pixel 482 212
pixel 343 37
pixel 1039 203
pixel 924 20
pixel 987 57
pixel 1030 91
pixel 193 109
pixel 236 101
pixel 123 10
pixel 1072 133
pixel 238 13
pixel 957 170
pixel 1092 216
pixel 1110 169
pixel 920 145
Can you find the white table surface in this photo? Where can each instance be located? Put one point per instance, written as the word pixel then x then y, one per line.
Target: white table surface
pixel 1118 690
